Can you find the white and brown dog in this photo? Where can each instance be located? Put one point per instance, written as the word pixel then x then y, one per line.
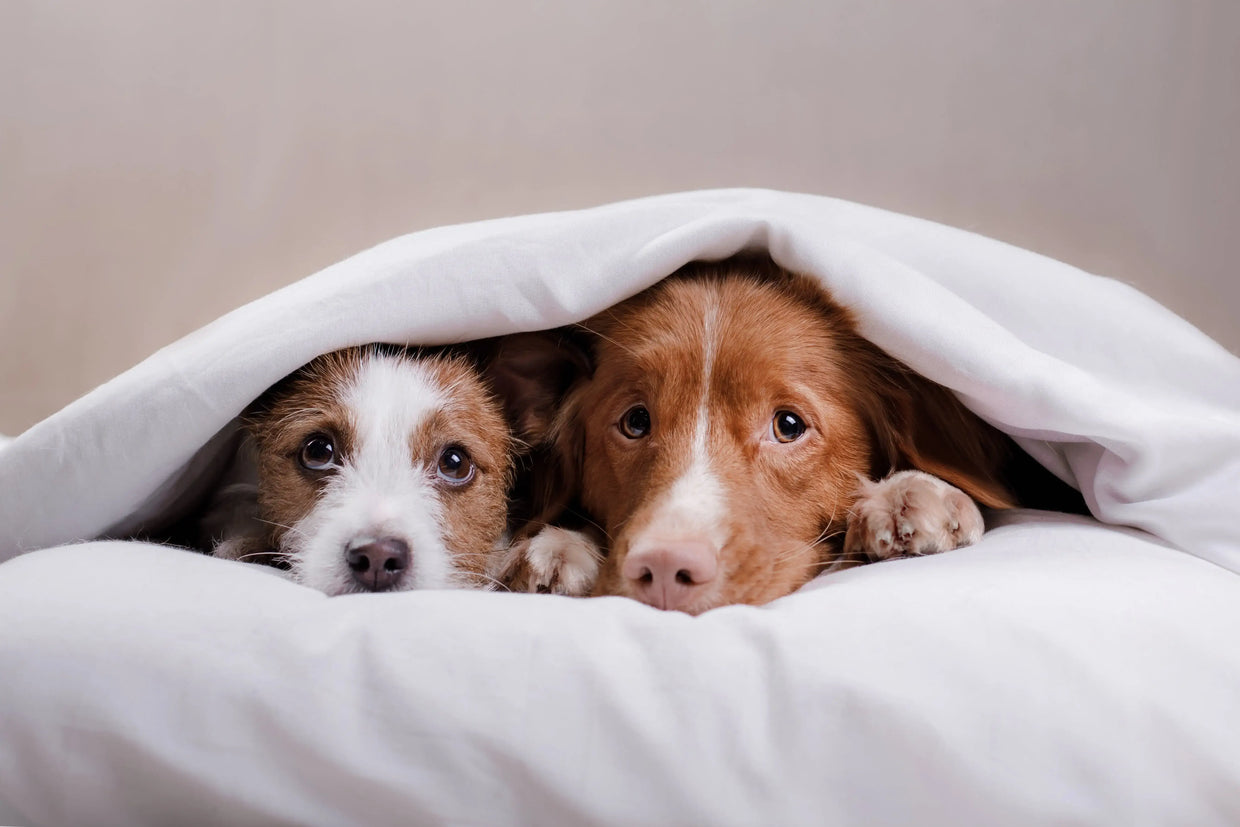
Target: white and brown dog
pixel 372 469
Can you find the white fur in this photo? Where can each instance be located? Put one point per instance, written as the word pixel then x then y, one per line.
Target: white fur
pixel 380 490
pixel 562 561
pixel 695 504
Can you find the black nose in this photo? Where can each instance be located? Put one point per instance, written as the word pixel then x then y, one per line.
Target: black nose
pixel 378 565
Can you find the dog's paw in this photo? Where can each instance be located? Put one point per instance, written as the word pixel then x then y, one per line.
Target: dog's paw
pixel 910 514
pixel 555 560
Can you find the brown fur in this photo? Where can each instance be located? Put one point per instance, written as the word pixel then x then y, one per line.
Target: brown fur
pixel 782 344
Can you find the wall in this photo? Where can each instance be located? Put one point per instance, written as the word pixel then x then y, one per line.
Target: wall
pixel 161 164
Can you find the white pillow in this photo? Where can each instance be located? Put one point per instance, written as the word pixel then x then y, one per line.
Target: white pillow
pixel 1059 672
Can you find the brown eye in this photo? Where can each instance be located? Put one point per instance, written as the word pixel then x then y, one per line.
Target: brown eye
pixel 455 466
pixel 787 426
pixel 635 423
pixel 317 453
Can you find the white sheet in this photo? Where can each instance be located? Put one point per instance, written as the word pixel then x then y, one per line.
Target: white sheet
pixel 1068 671
pixel 1059 673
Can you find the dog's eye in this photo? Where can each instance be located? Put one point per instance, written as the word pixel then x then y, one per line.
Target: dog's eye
pixel 635 423
pixel 787 426
pixel 317 453
pixel 455 465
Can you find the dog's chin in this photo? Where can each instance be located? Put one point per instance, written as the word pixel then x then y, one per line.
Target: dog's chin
pixel 700 607
pixel 345 584
pixel 702 604
pixel 723 593
pixel 332 583
pixel 338 580
pixel 320 563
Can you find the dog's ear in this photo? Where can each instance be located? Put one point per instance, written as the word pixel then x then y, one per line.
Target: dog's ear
pixel 531 372
pixel 919 425
pixel 549 483
pixel 254 419
pixel 534 374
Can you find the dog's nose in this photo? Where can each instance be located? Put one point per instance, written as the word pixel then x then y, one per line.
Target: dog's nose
pixel 378 564
pixel 670 575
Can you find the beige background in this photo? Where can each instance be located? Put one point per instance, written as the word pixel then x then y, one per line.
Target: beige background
pixel 162 163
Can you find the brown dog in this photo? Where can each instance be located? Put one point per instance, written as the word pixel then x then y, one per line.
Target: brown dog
pixel 725 436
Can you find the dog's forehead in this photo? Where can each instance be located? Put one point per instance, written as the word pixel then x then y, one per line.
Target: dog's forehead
pixel 418 406
pixel 739 324
pixel 393 385
pixel 344 388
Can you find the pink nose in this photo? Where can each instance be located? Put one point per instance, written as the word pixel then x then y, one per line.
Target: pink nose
pixel 669 575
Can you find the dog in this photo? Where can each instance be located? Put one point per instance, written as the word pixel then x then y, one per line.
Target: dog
pixel 727 434
pixel 371 469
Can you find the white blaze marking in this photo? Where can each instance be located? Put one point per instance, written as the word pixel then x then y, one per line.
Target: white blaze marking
pixel 708 366
pixel 389 400
pixel 694 505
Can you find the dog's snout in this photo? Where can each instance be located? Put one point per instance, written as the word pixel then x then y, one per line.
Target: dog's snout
pixel 670 575
pixel 377 565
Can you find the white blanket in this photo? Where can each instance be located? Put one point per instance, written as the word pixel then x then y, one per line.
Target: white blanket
pixel 1060 670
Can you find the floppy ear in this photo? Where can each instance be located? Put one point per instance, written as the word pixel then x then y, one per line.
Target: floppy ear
pixel 531 372
pixel 922 426
pixel 952 443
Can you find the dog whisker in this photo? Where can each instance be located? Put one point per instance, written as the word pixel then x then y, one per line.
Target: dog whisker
pixel 499 585
pixel 274 555
pixel 290 529
pixel 621 346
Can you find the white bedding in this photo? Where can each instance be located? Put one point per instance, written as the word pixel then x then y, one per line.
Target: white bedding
pixel 1060 671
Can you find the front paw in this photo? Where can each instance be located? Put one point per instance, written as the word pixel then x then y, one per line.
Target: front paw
pixel 909 514
pixel 555 561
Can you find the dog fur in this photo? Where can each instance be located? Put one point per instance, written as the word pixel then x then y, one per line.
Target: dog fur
pixel 377 468
pixel 730 436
